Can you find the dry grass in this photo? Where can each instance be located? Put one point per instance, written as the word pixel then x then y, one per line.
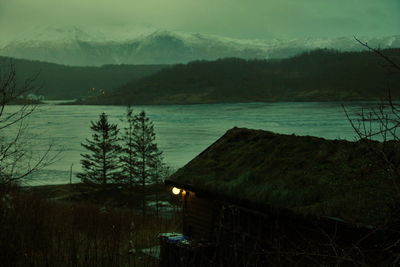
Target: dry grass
pixel 38 232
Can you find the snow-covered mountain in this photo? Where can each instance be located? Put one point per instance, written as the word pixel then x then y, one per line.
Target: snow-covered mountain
pixel 74 46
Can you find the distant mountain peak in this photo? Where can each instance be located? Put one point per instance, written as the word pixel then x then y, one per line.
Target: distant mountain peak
pixel 161 35
pixel 75 45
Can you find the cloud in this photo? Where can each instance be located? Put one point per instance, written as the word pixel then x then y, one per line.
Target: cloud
pixel 236 18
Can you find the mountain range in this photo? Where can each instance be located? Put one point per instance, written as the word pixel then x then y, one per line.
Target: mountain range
pixel 79 47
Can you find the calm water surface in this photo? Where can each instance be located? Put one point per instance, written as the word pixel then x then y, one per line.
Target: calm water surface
pixel 182 131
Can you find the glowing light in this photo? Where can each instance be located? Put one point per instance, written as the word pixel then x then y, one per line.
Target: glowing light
pixel 176 191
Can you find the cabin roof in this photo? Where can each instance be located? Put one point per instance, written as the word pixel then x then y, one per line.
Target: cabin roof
pixel 305 174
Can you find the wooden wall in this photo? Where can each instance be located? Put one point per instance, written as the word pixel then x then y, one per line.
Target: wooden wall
pixel 250 238
pixel 199 216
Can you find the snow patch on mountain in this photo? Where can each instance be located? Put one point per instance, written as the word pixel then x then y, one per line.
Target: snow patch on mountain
pixel 78 46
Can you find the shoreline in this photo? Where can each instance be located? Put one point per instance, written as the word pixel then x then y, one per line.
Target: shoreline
pixel 112 196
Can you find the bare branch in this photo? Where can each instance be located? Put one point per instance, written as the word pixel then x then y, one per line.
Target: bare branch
pixel 378 51
pixel 15 161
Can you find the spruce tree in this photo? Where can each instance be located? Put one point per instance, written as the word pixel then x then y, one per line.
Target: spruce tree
pixel 148 156
pixel 129 154
pixel 100 165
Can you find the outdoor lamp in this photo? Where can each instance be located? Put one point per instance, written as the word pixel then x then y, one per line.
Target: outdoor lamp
pixel 176 191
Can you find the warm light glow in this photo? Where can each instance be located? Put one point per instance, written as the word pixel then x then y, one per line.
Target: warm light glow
pixel 183 193
pixel 176 191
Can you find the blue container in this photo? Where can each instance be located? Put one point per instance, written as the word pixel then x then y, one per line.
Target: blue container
pixel 176 239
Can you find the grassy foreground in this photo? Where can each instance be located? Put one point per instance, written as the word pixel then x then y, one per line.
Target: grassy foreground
pixel 72 225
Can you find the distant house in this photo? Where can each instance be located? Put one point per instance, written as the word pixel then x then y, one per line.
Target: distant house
pixel 32 96
pixel 265 199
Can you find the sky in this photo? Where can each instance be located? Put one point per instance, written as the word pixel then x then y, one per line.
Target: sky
pixel 247 19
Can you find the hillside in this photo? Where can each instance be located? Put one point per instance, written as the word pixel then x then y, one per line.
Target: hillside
pixel 320 75
pixel 65 82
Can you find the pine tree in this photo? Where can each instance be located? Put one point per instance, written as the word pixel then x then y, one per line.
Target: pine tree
pixel 101 165
pixel 148 156
pixel 128 156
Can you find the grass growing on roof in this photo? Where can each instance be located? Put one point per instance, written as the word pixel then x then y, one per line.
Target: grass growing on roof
pixel 303 173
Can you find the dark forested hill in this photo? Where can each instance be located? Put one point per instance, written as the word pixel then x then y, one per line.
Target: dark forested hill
pixel 65 82
pixel 320 75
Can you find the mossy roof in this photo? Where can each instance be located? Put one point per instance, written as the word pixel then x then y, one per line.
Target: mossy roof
pixel 305 174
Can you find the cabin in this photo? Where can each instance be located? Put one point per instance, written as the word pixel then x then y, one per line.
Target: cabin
pixel 257 198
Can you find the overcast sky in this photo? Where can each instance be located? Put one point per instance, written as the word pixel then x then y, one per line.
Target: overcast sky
pixel 232 18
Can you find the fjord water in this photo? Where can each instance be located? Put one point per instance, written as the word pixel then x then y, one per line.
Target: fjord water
pixel 183 131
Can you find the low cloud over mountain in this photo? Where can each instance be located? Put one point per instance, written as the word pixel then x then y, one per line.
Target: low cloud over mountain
pixel 75 46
